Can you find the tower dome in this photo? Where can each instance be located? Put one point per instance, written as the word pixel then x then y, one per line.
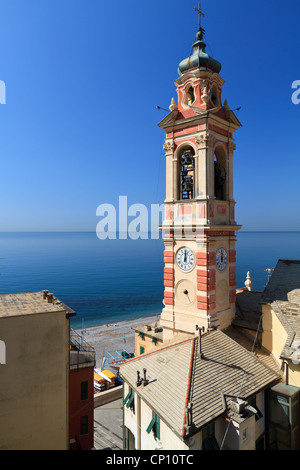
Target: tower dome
pixel 199 58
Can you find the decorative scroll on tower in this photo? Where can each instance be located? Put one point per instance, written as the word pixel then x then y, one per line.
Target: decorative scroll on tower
pixel 199 226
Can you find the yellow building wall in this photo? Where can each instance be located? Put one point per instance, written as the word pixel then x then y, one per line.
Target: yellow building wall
pixel 294 374
pixel 34 396
pixel 274 338
pixel 274 335
pixel 145 342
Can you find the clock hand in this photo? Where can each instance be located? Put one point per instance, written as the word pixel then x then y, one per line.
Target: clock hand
pixel 186 292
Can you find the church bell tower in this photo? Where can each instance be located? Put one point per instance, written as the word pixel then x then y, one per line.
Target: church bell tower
pixel 199 225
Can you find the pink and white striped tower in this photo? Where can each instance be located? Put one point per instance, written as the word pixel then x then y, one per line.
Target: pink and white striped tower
pixel 199 226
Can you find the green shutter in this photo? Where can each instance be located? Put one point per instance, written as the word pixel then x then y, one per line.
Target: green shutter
pixel 131 400
pixel 151 425
pixel 154 426
pixel 127 397
pixel 126 439
pixel 84 390
pixel 157 427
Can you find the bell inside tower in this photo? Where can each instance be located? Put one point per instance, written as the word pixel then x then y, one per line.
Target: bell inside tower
pixel 187 175
pixel 220 175
pixel 190 95
pixel 214 96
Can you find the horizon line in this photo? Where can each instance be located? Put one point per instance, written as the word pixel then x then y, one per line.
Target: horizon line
pixel 91 231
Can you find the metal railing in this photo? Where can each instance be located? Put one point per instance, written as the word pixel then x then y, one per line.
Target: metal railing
pixel 81 353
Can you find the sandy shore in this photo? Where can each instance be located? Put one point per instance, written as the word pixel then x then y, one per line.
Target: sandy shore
pixel 113 337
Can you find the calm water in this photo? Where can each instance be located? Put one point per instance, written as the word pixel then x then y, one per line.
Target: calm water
pixel 114 280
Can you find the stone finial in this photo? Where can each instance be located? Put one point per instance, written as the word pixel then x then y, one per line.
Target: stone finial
pixel 172 106
pixel 204 90
pixel 248 282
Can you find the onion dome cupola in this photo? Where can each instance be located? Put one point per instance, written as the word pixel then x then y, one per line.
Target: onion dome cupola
pixel 199 58
pixel 199 85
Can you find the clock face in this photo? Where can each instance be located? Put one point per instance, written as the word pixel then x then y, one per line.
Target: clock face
pixel 185 292
pixel 185 259
pixel 221 259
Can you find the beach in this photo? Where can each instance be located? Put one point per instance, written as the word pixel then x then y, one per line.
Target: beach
pixel 113 337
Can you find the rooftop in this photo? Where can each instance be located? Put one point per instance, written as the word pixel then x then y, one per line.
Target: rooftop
pixel 248 309
pixel 30 303
pixel 178 375
pixel 282 293
pixel 153 330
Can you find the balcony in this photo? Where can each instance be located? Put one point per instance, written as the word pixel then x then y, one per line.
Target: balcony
pixel 81 353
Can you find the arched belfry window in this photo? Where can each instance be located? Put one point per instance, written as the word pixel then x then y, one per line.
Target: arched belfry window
pixel 187 175
pixel 220 175
pixel 214 96
pixel 189 96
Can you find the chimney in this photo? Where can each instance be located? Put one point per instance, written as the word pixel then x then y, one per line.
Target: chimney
pixel 45 293
pixel 139 380
pixel 145 380
pixel 201 355
pixel 189 426
pixel 50 298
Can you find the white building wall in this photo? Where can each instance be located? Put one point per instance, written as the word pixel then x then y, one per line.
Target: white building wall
pixel 138 421
pixel 233 435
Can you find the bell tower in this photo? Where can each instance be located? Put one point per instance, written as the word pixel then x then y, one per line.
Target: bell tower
pixel 199 224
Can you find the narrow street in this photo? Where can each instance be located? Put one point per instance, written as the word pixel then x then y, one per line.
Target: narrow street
pixel 108 421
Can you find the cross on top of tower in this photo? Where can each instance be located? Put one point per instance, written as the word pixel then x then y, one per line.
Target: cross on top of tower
pixel 200 13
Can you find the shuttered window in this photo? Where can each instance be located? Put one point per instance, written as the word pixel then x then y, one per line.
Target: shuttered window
pixel 129 400
pixel 154 426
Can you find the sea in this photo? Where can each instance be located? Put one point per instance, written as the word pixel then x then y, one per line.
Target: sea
pixel 115 280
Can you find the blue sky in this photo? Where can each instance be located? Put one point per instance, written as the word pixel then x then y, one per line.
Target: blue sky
pixel 83 79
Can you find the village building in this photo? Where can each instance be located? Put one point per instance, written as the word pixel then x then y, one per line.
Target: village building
pixel 199 393
pixel 220 369
pixel 82 364
pixel 43 376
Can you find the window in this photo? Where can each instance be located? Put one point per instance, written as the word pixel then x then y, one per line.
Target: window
pixel 84 390
pixel 154 426
pixel 220 174
pixel 128 439
pixel 84 425
pixel 214 96
pixel 188 96
pixel 283 417
pixel 187 175
pixel 142 349
pixel 209 441
pixel 129 400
